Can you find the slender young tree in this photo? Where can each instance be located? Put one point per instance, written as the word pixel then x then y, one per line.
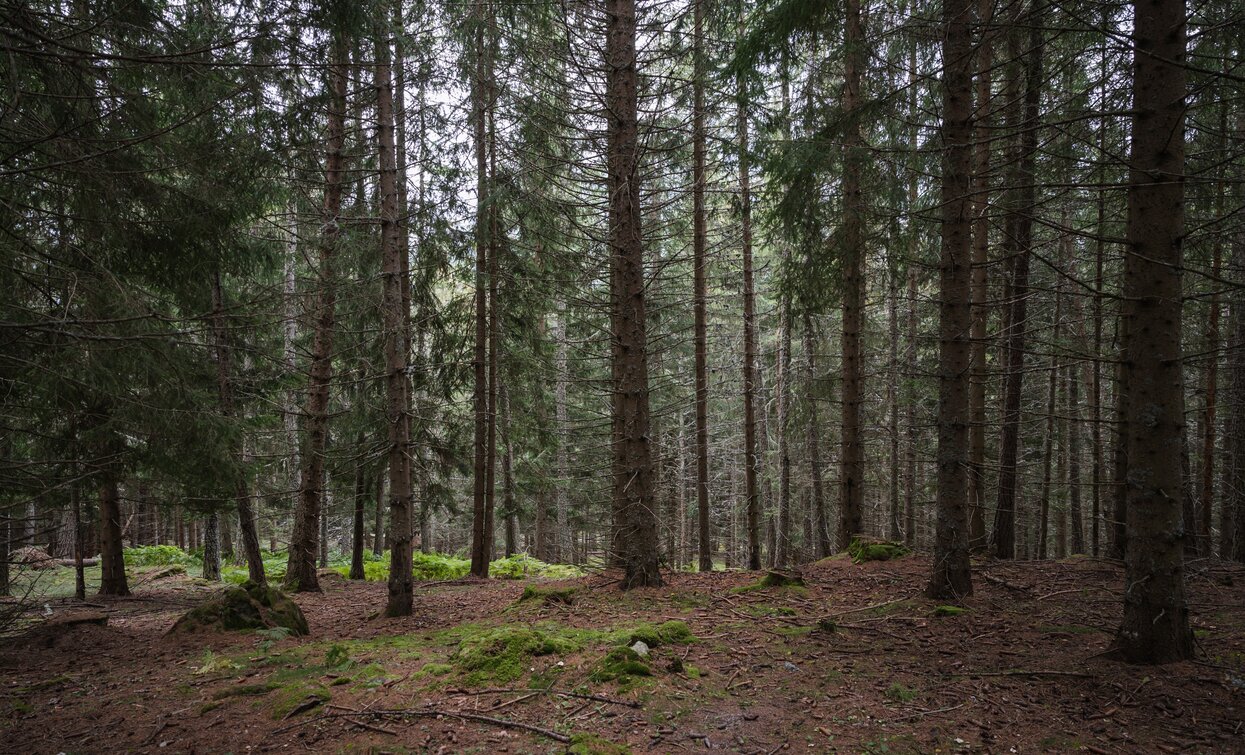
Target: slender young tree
pixel 700 287
pixel 751 458
pixel 481 535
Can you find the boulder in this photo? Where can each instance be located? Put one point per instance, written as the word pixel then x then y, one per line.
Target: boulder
pixel 249 606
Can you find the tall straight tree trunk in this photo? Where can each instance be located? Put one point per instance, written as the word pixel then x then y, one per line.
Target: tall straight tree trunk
pixel 852 455
pixel 782 554
pixel 751 459
pixel 1076 518
pixel 633 463
pixel 211 546
pixel 700 288
pixel 494 315
pixel 1210 388
pixel 507 475
pixel 895 515
pixel 910 349
pixel 1232 504
pixel 481 536
pixel 378 544
pixel 1024 206
pixel 951 577
pixel 1048 445
pixel 1155 627
pixel 300 573
pixel 224 387
pixel 360 500
pixel 112 579
pixel 813 439
pixel 394 329
pixel 564 544
pixel 981 291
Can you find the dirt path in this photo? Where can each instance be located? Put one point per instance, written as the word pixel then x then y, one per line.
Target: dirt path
pixel 856 661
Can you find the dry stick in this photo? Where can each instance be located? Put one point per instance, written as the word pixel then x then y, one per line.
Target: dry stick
pixel 580 695
pixel 1076 674
pixel 429 712
pixel 865 608
pixel 520 699
pixel 923 713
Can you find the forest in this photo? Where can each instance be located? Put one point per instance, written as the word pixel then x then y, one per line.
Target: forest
pixel 611 376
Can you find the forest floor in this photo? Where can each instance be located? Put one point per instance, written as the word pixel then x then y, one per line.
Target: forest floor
pixel 854 661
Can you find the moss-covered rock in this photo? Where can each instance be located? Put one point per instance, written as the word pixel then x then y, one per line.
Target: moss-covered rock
pixel 863 549
pixel 248 606
pixel 774 579
pixel 534 593
pixel 621 663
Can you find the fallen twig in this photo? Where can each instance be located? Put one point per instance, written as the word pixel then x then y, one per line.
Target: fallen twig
pixel 560 693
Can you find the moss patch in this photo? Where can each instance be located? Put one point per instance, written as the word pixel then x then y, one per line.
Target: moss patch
pixel 545 595
pixel 900 693
pixel 502 654
pixel 862 550
pixel 775 579
pixel 949 610
pixel 620 664
pixel 591 744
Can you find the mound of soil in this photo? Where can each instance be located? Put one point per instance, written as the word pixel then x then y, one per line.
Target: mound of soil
pixel 250 606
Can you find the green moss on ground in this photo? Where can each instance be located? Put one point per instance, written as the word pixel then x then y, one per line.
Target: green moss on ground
pixel 862 550
pixel 502 654
pixel 620 664
pixel 949 611
pixel 591 744
pixel 775 580
pixel 545 595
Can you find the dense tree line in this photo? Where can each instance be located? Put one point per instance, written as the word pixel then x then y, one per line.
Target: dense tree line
pixel 636 284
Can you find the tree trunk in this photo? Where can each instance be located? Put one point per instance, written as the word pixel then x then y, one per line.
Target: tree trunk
pixel 700 288
pixel 1211 379
pixel 633 464
pixel 751 459
pixel 1232 504
pixel 211 547
pixel 360 499
pixel 1022 207
pixel 394 330
pixel 112 579
pixel 820 520
pixel 242 497
pixel 951 577
pixel 1155 628
pixel 378 544
pixel 507 475
pixel 564 548
pixel 981 291
pixel 481 536
pixel 300 574
pixel 852 457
